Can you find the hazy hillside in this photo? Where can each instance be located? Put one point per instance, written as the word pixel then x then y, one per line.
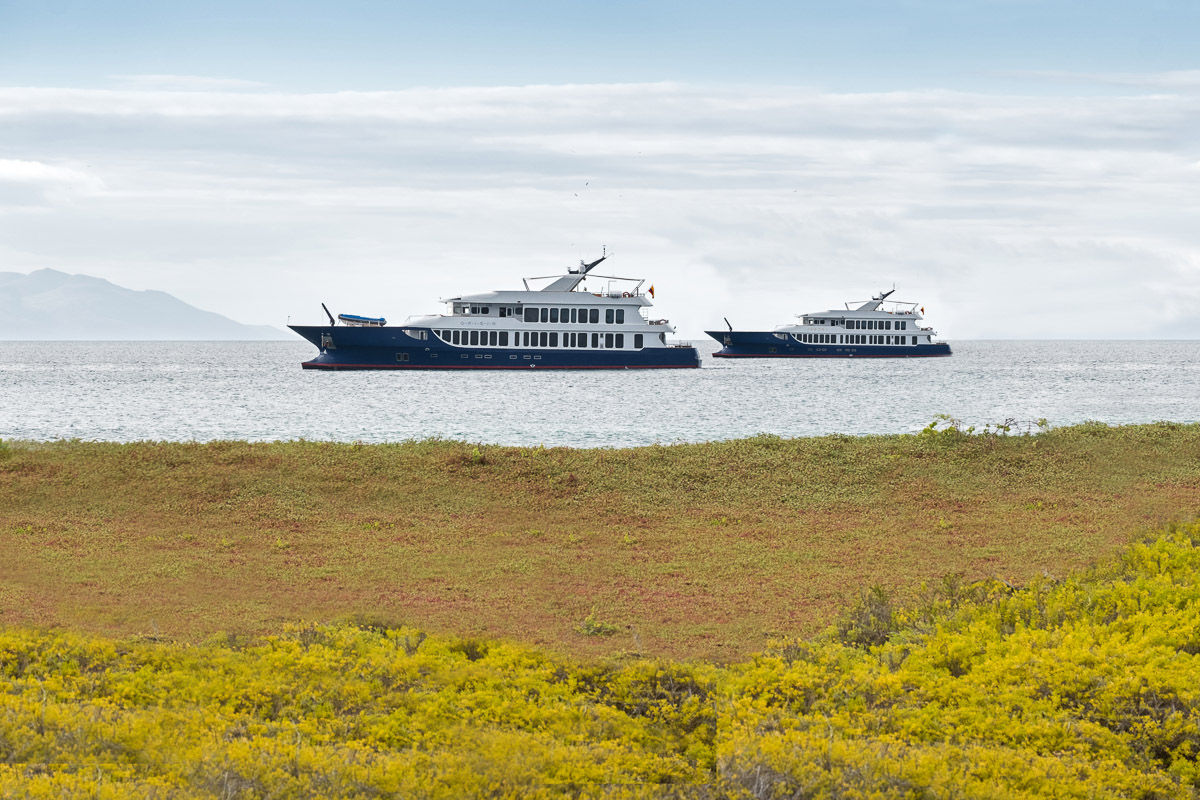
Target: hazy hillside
pixel 49 304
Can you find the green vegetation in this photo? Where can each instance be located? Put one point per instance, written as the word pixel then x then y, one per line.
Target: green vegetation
pixel 683 551
pixel 1085 687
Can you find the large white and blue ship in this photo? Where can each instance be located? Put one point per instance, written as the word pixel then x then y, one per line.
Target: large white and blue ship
pixel 877 328
pixel 562 325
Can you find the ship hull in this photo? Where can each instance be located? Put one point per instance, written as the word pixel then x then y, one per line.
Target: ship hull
pixel 394 348
pixel 765 344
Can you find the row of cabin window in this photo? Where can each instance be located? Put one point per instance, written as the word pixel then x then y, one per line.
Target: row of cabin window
pixel 875 324
pixel 582 316
pixel 863 324
pixel 538 339
pixel 851 338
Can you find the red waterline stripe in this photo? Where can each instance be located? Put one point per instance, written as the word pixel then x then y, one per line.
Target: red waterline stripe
pixel 310 365
pixel 849 355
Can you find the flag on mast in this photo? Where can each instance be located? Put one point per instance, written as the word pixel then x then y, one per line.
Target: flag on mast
pixel 652 290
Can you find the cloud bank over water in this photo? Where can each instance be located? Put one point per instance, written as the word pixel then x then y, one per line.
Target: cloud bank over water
pixel 1007 216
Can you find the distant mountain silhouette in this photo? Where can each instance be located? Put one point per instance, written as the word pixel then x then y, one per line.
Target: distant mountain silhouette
pixel 49 304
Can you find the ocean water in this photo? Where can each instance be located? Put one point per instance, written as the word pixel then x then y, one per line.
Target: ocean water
pixel 128 391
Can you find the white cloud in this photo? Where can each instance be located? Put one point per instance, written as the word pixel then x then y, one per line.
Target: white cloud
pixel 1007 216
pixel 1184 79
pixel 185 83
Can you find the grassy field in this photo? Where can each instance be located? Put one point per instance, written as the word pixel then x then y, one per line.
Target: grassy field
pixel 682 551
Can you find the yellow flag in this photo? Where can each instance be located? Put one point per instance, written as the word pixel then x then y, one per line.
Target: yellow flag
pixel 652 291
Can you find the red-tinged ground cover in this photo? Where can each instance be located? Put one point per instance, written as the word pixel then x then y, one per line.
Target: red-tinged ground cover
pixel 675 551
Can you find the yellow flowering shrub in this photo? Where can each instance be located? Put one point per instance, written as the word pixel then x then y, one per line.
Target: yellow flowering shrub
pixel 1087 687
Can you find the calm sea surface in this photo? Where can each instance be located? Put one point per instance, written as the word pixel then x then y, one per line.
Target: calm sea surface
pixel 126 391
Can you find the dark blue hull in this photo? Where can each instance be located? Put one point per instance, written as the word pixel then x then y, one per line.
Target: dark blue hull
pixel 765 344
pixel 350 347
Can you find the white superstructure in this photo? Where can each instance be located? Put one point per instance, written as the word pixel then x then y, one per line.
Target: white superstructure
pixel 563 314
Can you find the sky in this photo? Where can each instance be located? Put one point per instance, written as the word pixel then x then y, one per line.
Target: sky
pixel 1021 168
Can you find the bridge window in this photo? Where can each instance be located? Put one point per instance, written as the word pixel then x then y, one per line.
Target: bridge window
pixel 620 316
pixel 531 314
pixel 545 315
pixel 554 315
pixel 594 316
pixel 608 316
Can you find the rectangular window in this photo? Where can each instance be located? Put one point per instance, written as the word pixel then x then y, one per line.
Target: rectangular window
pixel 608 316
pixel 573 313
pixel 914 340
pixel 504 338
pixel 620 316
pixel 545 315
pixel 525 338
pixel 554 338
pixel 608 338
pixel 531 315
pixel 564 315
pixel 554 315
pixel 474 309
pixel 620 341
pixel 402 356
pixel 637 341
pixel 455 338
pixel 474 337
pixel 583 312
pixel 595 338
pixel 492 338
pixel 888 325
pixel 594 315
pixel 542 339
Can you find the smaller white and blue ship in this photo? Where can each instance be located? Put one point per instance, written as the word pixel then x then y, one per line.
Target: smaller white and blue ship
pixel 562 325
pixel 878 328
